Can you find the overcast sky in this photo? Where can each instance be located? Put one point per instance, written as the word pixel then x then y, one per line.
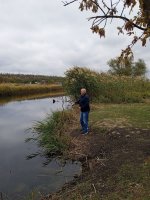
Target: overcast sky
pixel 43 37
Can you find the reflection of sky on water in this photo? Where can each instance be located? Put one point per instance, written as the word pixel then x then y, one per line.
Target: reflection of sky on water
pixel 18 175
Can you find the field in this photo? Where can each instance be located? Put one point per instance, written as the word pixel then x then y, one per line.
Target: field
pixel 29 78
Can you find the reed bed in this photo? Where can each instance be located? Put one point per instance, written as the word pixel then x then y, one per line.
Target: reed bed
pixel 106 88
pixel 9 89
pixel 51 132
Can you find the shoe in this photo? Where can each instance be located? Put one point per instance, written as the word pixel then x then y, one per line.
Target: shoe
pixel 85 133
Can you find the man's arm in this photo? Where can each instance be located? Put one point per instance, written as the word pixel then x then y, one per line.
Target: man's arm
pixel 77 102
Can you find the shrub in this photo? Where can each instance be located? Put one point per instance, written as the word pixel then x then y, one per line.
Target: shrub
pixel 106 88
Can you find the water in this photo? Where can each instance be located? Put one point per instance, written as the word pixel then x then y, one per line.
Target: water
pixel 19 176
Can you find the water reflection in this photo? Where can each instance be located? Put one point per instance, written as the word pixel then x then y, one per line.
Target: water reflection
pixel 19 176
pixel 5 100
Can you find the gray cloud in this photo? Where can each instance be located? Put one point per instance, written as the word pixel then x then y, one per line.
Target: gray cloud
pixel 43 37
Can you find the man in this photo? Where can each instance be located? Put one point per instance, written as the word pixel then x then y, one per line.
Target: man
pixel 85 109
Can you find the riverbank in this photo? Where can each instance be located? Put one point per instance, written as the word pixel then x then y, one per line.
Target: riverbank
pixel 9 89
pixel 115 155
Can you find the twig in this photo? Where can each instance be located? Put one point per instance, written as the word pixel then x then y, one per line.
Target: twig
pixel 123 10
pixel 97 4
pixel 67 3
pixel 116 3
pixel 94 188
pixel 105 5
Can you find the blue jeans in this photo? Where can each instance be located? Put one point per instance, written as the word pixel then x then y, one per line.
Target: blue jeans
pixel 84 117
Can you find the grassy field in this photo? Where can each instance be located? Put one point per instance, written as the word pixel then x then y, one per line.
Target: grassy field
pixel 8 89
pixel 116 165
pixel 130 115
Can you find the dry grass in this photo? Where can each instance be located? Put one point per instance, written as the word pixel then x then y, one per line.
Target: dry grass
pixel 26 89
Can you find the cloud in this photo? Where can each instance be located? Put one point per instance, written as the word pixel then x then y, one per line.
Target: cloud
pixel 43 37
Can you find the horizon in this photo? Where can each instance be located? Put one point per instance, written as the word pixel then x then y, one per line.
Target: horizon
pixel 34 40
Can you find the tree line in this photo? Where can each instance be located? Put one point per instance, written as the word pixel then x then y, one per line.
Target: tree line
pixel 127 67
pixel 29 78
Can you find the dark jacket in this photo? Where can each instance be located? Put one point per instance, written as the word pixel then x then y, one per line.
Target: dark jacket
pixel 84 103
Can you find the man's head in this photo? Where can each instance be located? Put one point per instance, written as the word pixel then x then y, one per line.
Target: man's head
pixel 83 91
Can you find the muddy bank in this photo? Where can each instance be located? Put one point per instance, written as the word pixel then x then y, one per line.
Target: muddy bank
pixel 112 161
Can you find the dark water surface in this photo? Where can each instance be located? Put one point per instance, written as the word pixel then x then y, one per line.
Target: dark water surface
pixel 19 176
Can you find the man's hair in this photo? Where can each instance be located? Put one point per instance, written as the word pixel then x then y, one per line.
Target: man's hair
pixel 83 90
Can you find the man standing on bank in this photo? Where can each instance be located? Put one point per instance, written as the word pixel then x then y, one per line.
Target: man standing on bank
pixel 85 109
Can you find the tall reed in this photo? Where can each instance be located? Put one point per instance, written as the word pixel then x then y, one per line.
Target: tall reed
pixel 106 88
pixel 51 132
pixel 26 89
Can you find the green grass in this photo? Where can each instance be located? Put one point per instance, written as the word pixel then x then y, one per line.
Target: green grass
pixel 137 115
pixel 51 132
pixel 123 177
pixel 133 182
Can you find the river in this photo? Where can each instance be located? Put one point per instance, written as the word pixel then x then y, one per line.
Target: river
pixel 19 176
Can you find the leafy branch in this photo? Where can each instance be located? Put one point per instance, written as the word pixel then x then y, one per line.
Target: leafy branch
pixel 109 10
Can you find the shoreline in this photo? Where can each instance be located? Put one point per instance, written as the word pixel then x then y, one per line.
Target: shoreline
pixel 106 154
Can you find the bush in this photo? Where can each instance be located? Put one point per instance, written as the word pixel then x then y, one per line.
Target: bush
pixel 78 78
pixel 106 88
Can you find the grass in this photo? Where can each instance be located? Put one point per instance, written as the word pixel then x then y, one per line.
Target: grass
pixel 125 175
pixel 136 115
pixel 132 182
pixel 8 89
pixel 51 132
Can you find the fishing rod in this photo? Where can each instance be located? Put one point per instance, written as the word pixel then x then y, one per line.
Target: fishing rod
pixel 63 101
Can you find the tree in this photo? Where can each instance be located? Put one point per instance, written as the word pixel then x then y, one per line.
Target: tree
pixel 127 67
pixel 139 68
pixel 79 77
pixel 107 10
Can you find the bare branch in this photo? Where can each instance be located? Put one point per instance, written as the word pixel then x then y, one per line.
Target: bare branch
pixel 123 10
pixel 116 4
pixel 105 5
pixel 105 23
pixel 97 4
pixel 119 17
pixel 67 3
